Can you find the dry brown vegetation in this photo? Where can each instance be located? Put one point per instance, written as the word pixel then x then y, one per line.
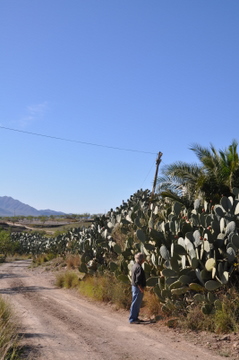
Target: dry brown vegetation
pixel 9 338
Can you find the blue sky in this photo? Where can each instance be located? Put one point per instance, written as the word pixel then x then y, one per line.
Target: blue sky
pixel 149 76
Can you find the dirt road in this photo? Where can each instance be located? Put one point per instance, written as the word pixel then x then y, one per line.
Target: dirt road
pixel 57 324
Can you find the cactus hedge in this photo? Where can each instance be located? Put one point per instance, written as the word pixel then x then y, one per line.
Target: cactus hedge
pixel 191 253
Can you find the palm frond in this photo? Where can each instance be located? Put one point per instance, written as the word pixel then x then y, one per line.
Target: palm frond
pixel 174 197
pixel 200 151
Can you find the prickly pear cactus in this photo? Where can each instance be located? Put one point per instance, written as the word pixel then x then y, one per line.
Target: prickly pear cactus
pixel 190 252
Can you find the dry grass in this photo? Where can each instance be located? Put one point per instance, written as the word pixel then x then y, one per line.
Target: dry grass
pixel 60 280
pixel 73 261
pixel 9 346
pixel 71 280
pixel 43 258
pixel 100 288
pixel 106 289
pixel 151 306
pixel 195 320
pixel 68 280
pixel 220 321
pixel 227 318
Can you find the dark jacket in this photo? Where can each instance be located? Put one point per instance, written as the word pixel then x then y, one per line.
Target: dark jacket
pixel 138 275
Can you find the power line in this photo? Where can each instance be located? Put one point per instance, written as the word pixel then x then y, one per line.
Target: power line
pixel 147 175
pixel 76 141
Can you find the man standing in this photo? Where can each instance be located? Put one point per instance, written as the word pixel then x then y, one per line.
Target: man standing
pixel 138 285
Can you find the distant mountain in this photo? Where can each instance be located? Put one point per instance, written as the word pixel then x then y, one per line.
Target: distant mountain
pixel 5 212
pixel 12 207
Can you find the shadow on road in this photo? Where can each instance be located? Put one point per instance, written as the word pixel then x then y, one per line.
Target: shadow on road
pixel 2 276
pixel 25 289
pixel 35 335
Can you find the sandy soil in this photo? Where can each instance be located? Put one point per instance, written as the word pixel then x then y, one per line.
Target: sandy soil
pixel 59 324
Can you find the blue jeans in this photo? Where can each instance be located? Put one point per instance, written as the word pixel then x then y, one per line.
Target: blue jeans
pixel 137 297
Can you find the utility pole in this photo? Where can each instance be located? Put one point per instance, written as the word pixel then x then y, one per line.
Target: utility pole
pixel 158 161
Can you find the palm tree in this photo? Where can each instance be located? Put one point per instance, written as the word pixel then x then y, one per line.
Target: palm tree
pixel 216 175
pixel 230 160
pixel 180 182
